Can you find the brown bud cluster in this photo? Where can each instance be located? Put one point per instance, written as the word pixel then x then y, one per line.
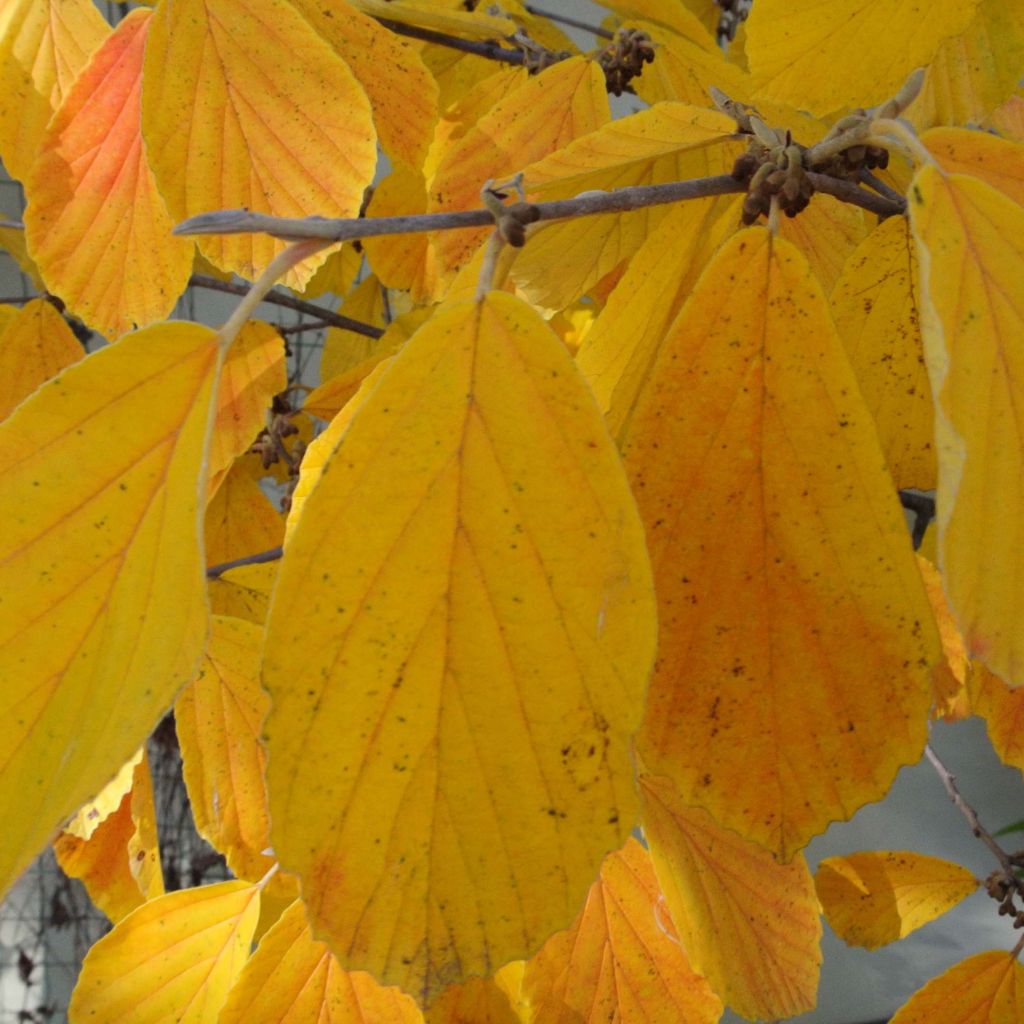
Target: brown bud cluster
pixel 270 444
pixel 624 58
pixel 513 220
pixel 773 172
pixel 849 163
pixel 1004 891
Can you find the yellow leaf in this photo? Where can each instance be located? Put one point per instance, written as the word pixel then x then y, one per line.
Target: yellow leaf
pixel 874 898
pixel 949 676
pixel 207 115
pixel 1003 711
pixel 144 843
pixel 96 225
pixel 480 1000
pixel 244 592
pixel 101 587
pixel 292 978
pixel 35 345
pixel 43 45
pixel 450 760
pixel 619 961
pixel 826 233
pixel 617 355
pixel 240 519
pixel 747 923
pixel 850 52
pixel 669 142
pixel 546 112
pixel 772 594
pixel 999 162
pixel 402 92
pixel 970 242
pixel 984 989
pixel 174 958
pixel 336 274
pixel 972 73
pixel 218 718
pixel 13 240
pixel 874 305
pixel 254 371
pixel 344 349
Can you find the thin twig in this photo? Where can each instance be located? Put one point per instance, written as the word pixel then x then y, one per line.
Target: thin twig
pixel 873 182
pixel 216 571
pixel 923 507
pixel 622 200
pixel 278 298
pixel 309 325
pixel 563 19
pixel 491 51
pixel 949 781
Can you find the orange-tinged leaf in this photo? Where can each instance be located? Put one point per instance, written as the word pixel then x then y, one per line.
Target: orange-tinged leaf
pixel 984 989
pixel 949 677
pixel 970 242
pixel 207 115
pixel 449 761
pixel 218 717
pixel 402 92
pixel 668 142
pixel 94 812
pixel 617 355
pixel 174 958
pixel 874 898
pixel 1008 118
pixel 35 345
pixel 101 575
pixel 823 56
pixel 292 978
pixel 96 225
pixel 43 45
pixel 1003 711
pixel 749 924
pixel 772 594
pixel 618 963
pixel 254 371
pixel 973 72
pixel 244 592
pixel 144 843
pixel 874 305
pixel 543 114
pixel 480 1000
pixel 999 162
pixel 240 519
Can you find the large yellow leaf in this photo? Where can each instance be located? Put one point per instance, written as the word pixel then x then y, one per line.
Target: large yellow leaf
pixel 618 963
pixel 96 225
pixel 873 898
pixel 999 162
pixel 971 245
pixel 972 73
pixel 174 958
pixel 43 45
pixel 231 118
pixel 102 611
pixel 546 112
pixel 449 756
pixel 826 233
pixel 401 90
pixel 35 345
pixel 874 305
pixel 984 989
pixel 795 635
pixel 292 979
pixel 821 55
pixel 668 142
pixel 747 923
pixel 218 717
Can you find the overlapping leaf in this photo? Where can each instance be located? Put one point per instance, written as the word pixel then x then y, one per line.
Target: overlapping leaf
pixel 619 961
pixel 949 677
pixel 35 345
pixel 999 162
pixel 873 898
pixel 449 734
pixel 749 924
pixel 240 519
pixel 795 636
pixel 983 989
pixel 218 137
pixel 971 245
pixel 1003 711
pixel 292 978
pixel 174 958
pixel 102 612
pixel 96 224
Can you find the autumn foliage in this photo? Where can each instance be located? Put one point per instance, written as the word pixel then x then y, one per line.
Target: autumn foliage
pixel 596 533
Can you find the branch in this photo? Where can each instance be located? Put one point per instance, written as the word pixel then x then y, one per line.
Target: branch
pixel 491 51
pixel 949 781
pixel 214 572
pixel 601 33
pixel 278 298
pixel 923 507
